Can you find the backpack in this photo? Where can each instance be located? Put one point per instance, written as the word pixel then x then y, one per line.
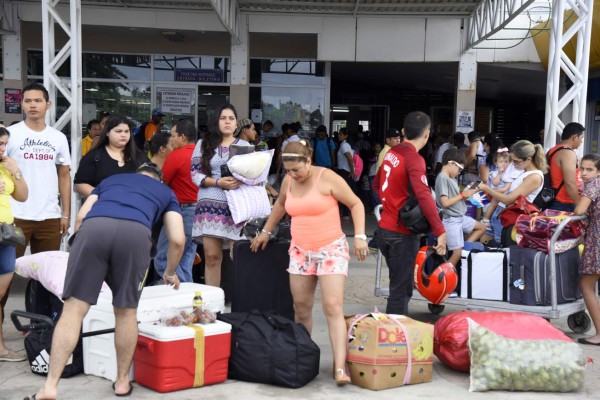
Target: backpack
pixel 330 146
pixel 358 165
pixel 139 136
pixel 548 193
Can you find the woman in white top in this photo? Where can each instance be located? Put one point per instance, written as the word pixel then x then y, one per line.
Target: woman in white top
pixel 531 159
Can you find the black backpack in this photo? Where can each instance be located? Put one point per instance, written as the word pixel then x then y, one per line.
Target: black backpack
pixel 548 193
pixel 268 348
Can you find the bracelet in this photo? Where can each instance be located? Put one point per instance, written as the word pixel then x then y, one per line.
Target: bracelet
pixel 462 196
pixel 65 217
pixel 217 183
pixel 170 276
pixel 267 232
pixel 361 236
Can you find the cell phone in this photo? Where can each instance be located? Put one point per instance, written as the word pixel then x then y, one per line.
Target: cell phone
pixel 475 185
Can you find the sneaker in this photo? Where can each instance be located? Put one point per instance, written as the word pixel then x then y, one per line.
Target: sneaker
pixel 11 356
pixel 373 245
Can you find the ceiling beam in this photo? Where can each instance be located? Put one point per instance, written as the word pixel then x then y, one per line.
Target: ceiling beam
pixel 228 12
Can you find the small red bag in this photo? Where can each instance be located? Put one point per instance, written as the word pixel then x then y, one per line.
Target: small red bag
pixel 521 206
pixel 535 231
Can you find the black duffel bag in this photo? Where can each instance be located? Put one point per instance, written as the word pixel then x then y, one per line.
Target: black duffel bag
pixel 268 348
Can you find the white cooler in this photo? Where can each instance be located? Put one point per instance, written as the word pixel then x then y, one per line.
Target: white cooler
pixel 99 354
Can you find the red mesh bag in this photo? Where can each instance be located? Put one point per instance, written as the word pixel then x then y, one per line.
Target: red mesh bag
pixel 451 333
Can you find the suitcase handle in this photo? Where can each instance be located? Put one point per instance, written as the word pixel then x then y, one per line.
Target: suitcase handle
pixel 39 321
pixel 36 321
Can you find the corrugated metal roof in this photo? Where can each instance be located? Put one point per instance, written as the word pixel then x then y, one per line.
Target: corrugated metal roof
pixel 335 7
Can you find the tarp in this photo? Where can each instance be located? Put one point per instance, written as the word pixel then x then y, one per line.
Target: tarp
pixel 541 38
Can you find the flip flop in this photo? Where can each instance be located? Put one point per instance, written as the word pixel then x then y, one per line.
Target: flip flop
pixel 585 341
pixel 123 394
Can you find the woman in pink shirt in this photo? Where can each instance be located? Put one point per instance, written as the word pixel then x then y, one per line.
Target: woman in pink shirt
pixel 319 249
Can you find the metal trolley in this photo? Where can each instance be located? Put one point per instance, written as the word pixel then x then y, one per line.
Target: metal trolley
pixel 578 320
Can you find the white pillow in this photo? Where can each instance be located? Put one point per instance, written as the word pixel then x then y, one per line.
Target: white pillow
pixel 251 166
pixel 49 268
pixel 246 202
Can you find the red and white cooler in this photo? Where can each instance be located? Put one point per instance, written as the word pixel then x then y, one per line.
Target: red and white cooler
pixel 174 358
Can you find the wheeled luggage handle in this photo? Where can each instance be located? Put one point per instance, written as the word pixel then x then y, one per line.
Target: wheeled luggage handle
pixel 39 321
pixel 36 321
pixel 552 256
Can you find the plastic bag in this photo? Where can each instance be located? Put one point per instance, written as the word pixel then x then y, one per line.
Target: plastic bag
pixel 451 334
pixel 535 231
pixel 171 317
pixel 203 315
pixel 498 363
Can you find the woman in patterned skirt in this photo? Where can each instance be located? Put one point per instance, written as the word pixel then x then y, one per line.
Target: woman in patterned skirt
pixel 213 225
pixel 590 261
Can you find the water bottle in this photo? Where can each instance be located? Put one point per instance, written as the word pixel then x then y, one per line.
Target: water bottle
pixel 197 301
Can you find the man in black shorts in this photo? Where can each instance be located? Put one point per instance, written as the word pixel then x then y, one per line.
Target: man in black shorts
pixel 113 245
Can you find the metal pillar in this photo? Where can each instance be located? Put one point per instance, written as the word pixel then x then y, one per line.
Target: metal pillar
pixel 240 67
pixel 72 89
pixel 228 12
pixel 559 62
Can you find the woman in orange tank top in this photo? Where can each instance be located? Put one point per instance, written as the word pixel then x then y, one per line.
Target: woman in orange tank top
pixel 319 249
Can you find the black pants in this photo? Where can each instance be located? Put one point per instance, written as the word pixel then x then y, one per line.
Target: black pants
pixel 400 252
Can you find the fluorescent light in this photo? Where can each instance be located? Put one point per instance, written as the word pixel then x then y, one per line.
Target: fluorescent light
pixel 92 90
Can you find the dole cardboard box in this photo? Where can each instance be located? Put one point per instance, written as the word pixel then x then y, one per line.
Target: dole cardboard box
pixel 386 351
pixel 174 358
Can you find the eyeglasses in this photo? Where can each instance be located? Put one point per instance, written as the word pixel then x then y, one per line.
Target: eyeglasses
pixel 517 162
pixel 460 167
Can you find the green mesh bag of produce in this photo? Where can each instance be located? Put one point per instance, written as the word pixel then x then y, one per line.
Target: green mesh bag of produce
pixel 498 363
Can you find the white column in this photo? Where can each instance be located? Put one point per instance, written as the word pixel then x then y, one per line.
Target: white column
pixel 576 72
pixel 240 69
pixel 12 54
pixel 70 89
pixel 466 93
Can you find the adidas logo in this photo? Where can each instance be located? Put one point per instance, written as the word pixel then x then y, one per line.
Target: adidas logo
pixel 40 364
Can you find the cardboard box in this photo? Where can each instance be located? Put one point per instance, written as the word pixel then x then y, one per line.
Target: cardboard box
pixel 377 351
pixel 175 358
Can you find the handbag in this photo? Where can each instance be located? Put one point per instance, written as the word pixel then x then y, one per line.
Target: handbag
pixel 268 348
pixel 521 206
pixel 536 231
pixel 11 235
pixel 412 216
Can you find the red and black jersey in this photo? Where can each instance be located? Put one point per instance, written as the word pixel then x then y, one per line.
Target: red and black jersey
pixel 401 163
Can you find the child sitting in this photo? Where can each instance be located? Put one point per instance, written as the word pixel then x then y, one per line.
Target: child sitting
pixel 452 202
pixel 499 158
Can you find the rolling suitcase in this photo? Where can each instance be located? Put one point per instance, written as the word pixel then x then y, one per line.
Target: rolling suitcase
pixel 260 280
pixel 530 277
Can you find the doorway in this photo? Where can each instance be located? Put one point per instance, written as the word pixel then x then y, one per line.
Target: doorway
pixel 374 119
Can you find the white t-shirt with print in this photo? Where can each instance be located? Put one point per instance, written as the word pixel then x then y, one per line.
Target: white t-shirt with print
pixel 342 161
pixel 37 154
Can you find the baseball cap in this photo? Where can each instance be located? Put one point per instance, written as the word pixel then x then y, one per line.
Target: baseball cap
pixel 157 113
pixel 243 123
pixel 392 133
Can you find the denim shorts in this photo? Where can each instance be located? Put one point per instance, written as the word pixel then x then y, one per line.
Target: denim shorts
pixel 8 257
pixel 456 228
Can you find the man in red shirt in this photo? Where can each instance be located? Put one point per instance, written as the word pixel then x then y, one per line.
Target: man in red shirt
pixel 397 243
pixel 176 174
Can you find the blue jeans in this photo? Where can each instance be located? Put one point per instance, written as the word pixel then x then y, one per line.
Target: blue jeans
pixel 8 257
pixel 496 225
pixel 184 269
pixel 374 199
pixel 400 252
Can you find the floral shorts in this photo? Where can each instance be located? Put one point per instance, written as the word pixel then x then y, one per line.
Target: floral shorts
pixel 327 260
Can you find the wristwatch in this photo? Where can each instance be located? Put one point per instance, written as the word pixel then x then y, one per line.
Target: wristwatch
pixel 18 175
pixel 361 236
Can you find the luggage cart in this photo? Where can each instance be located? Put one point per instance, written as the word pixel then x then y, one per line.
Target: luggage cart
pixel 577 319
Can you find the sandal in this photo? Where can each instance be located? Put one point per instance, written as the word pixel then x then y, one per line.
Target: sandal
pixel 341 379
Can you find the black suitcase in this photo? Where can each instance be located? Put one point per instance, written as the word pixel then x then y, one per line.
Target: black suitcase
pixel 260 280
pixel 530 277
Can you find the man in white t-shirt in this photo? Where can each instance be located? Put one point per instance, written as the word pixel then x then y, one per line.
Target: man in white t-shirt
pixel 43 156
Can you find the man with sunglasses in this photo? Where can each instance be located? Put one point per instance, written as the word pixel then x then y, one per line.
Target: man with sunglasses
pixel 121 210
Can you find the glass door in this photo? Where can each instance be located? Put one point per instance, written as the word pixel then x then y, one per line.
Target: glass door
pixel 210 100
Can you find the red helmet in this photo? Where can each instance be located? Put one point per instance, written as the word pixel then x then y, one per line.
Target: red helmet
pixel 435 277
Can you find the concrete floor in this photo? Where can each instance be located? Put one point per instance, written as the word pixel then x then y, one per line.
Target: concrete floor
pixel 16 380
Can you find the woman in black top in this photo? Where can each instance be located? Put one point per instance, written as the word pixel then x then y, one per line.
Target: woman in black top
pixel 116 153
